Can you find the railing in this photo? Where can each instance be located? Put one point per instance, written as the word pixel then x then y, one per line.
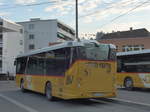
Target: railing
pixel 0 70
pixel 1 44
pixel 66 33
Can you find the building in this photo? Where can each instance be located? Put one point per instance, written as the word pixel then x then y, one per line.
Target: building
pixel 41 33
pixel 131 40
pixel 11 45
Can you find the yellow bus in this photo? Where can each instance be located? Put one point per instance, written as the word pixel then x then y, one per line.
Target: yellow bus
pixel 70 70
pixel 133 69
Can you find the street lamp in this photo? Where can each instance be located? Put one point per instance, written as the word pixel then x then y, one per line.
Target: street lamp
pixel 77 35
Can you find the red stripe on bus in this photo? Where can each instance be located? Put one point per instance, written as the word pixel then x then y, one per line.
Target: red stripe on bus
pixel 97 60
pixel 40 75
pixel 133 72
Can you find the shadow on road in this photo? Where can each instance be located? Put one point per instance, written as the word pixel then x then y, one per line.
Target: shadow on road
pixel 28 95
pixel 39 101
pixel 76 102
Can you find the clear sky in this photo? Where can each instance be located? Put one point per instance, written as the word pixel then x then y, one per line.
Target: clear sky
pixel 94 15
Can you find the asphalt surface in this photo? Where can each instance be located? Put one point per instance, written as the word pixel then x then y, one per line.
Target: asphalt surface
pixel 13 100
pixel 137 95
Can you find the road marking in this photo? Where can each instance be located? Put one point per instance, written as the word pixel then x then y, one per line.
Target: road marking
pixel 29 109
pixel 132 102
pixel 123 101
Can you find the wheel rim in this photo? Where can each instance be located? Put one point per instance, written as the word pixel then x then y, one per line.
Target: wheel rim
pixel 128 83
pixel 48 92
pixel 22 87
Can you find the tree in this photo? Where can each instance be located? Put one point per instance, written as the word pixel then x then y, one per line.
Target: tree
pixel 99 35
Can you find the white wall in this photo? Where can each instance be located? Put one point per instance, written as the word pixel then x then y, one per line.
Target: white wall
pixel 44 31
pixel 11 47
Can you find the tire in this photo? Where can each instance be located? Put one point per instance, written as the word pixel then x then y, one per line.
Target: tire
pixel 22 86
pixel 128 83
pixel 48 92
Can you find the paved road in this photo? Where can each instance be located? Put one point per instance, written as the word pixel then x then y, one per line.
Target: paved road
pixel 137 95
pixel 13 100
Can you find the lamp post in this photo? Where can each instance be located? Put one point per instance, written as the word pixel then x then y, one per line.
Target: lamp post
pixel 77 35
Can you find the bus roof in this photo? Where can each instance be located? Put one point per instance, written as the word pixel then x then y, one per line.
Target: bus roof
pixel 58 46
pixel 146 51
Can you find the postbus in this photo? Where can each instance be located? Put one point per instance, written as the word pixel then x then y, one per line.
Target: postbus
pixel 133 69
pixel 70 70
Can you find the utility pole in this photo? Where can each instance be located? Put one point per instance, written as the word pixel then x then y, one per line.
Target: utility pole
pixel 77 35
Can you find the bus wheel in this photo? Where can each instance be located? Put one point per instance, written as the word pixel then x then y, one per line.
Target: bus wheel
pixel 48 92
pixel 128 83
pixel 22 85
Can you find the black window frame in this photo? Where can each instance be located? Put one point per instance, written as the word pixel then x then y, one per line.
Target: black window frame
pixel 31 46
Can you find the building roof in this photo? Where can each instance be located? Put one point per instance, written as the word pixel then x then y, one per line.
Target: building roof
pixel 127 34
pixel 146 51
pixel 38 19
pixel 6 26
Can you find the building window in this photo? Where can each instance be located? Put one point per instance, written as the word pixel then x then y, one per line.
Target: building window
pixel 1 51
pixel 31 46
pixel 31 36
pixel 21 31
pixel 0 65
pixel 62 36
pixel 1 38
pixel 1 23
pixel 31 26
pixel 116 48
pixel 21 42
pixel 127 48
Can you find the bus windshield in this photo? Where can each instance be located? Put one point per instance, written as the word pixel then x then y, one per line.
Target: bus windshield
pixel 92 51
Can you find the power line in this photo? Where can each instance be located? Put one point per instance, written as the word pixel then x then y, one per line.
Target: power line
pixel 27 5
pixel 111 5
pixel 129 11
pixel 121 15
pixel 107 8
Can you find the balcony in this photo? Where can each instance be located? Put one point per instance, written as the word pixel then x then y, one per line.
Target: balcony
pixel 0 70
pixel 72 37
pixel 1 44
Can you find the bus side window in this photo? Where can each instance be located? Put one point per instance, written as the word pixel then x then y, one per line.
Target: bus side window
pixel 18 67
pixel 67 60
pixel 119 65
pixel 31 66
pixel 75 56
pixel 58 64
pixel 21 65
pixel 50 65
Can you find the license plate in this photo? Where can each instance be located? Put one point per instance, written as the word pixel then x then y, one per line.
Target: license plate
pixel 98 94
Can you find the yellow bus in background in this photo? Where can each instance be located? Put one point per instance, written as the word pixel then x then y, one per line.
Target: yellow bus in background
pixel 133 69
pixel 70 70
